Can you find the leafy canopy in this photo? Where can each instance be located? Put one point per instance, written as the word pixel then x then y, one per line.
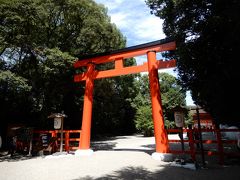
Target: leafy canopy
pixel 207 35
pixel 39 42
pixel 172 95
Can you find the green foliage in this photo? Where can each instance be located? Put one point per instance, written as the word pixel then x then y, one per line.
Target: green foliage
pixel 171 91
pixel 207 35
pixel 144 120
pixel 172 95
pixel 39 42
pixel 10 82
pixel 76 26
pixel 169 124
pixel 189 119
pixel 113 110
pixel 14 92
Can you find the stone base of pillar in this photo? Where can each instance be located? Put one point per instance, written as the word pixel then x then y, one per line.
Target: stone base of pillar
pixel 166 157
pixel 83 152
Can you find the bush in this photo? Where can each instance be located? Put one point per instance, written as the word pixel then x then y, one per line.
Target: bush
pixel 143 120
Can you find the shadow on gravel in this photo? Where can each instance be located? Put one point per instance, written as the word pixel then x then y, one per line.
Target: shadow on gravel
pixel 171 173
pixel 153 146
pixel 108 138
pixel 101 145
pixel 15 158
pixel 148 151
pixel 105 142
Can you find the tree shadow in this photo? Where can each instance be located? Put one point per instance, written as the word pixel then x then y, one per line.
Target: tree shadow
pixel 16 157
pixel 148 151
pixel 153 146
pixel 107 138
pixel 128 173
pixel 170 173
pixel 105 142
pixel 101 145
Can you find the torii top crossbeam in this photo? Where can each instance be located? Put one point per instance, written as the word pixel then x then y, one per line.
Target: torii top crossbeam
pixel 119 55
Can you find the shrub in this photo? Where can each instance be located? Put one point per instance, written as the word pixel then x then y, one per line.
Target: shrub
pixel 143 120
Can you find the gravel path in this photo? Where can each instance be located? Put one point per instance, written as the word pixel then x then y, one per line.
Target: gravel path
pixel 123 157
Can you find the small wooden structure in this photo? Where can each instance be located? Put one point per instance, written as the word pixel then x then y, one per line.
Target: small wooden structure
pixel 58 123
pixel 206 120
pixel 71 138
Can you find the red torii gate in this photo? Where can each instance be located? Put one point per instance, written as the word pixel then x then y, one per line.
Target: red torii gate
pixel 118 56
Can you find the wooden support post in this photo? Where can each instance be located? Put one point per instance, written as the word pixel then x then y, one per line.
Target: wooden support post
pixel 191 144
pixel 119 64
pixel 54 134
pixel 220 147
pixel 67 141
pixel 200 137
pixel 157 113
pixel 61 135
pixel 87 109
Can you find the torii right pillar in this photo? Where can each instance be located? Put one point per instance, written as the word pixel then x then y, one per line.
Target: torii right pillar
pixel 161 138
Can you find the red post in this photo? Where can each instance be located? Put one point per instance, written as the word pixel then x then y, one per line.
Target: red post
pixel 87 109
pixel 191 144
pixel 54 134
pixel 157 113
pixel 220 147
pixel 67 141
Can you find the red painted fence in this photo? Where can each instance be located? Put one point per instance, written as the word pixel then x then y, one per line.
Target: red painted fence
pixel 219 141
pixel 71 138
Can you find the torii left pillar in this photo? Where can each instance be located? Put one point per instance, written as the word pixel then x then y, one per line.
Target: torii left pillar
pixel 84 145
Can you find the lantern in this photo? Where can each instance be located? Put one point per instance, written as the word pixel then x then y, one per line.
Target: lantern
pixel 57 122
pixel 179 118
pixel 179 114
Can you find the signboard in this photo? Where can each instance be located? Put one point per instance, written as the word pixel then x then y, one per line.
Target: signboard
pixel 179 119
pixel 57 122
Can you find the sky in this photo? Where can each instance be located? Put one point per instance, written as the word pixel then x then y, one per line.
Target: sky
pixel 138 25
pixel 134 20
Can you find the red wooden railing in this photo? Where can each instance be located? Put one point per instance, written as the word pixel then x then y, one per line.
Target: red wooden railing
pixel 192 150
pixel 69 142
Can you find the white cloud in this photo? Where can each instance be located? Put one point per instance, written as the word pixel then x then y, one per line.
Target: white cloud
pixel 189 100
pixel 141 59
pixel 171 71
pixel 120 19
pixel 134 20
pixel 110 4
pixel 150 28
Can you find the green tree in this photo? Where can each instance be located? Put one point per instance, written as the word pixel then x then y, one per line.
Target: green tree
pixel 144 120
pixel 172 95
pixel 40 41
pixel 14 92
pixel 207 35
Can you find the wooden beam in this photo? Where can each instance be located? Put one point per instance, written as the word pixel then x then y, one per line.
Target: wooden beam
pixel 126 54
pixel 120 70
pixel 119 64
